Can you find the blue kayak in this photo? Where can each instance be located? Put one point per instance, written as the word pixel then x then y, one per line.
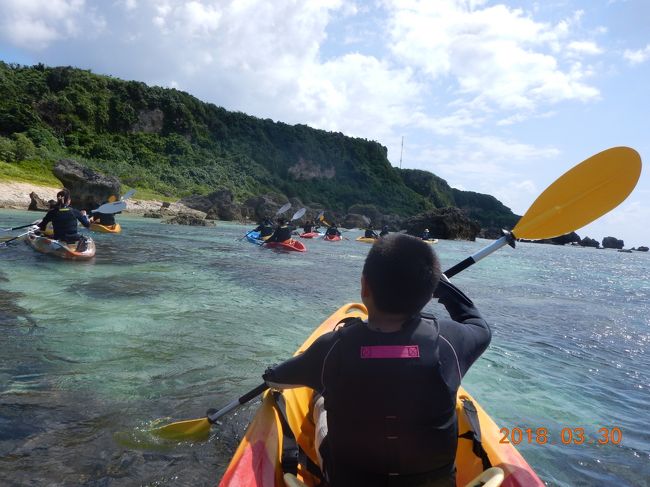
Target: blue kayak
pixel 254 237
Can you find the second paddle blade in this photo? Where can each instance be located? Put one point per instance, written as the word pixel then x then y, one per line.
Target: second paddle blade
pixel 191 429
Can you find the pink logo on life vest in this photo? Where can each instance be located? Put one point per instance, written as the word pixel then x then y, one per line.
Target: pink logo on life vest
pixel 390 351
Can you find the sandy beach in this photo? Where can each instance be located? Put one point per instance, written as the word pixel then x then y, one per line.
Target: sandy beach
pixel 15 195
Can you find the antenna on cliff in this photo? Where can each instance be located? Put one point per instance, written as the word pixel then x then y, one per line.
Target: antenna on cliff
pixel 400 153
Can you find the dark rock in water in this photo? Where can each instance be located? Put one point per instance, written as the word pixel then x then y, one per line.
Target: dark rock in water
pixel 613 243
pixel 369 211
pixel 152 214
pixel 218 205
pixel 189 219
pixel 589 242
pixel 641 249
pixel 627 251
pixel 569 238
pixel 259 207
pixel 353 220
pixel 448 223
pixel 38 203
pixel 492 233
pixel 87 188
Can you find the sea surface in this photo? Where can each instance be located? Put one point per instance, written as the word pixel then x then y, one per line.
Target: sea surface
pixel 168 321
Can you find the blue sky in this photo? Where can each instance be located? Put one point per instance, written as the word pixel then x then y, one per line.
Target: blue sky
pixel 499 97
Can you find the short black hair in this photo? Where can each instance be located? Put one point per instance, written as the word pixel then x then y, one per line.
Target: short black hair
pixel 402 273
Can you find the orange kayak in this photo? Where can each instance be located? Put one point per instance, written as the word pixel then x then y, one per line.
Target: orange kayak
pixel 46 245
pixel 332 238
pixel 257 460
pixel 291 244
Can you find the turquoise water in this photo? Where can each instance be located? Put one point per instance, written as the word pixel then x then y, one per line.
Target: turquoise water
pixel 167 321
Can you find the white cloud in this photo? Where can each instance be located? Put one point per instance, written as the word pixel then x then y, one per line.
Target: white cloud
pixel 494 53
pixel 637 56
pixel 584 47
pixel 35 24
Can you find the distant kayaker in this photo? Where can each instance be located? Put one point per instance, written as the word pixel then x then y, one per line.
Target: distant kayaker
pixel 265 228
pixel 332 231
pixel 426 235
pixel 384 231
pixel 370 232
pixel 282 231
pixel 106 219
pixel 308 227
pixel 387 386
pixel 64 220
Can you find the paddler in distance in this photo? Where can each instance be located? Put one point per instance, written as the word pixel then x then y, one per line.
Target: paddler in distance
pixel 282 231
pixel 370 232
pixel 387 386
pixel 265 228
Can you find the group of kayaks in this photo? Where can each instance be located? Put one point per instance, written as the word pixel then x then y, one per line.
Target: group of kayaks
pixel 83 250
pixel 281 433
pixel 292 244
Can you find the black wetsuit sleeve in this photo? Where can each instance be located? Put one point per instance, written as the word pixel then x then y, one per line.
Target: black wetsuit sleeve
pixel 468 333
pixel 83 219
pixel 304 369
pixel 46 219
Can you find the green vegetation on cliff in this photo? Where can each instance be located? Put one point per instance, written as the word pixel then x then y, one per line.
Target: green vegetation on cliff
pixel 168 142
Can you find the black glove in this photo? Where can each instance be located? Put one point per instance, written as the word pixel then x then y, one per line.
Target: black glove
pixel 446 292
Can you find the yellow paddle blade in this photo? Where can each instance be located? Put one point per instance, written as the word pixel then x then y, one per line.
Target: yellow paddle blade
pixel 112 198
pixel 582 194
pixel 191 429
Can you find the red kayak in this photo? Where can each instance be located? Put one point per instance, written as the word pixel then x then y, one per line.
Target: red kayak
pixel 310 235
pixel 332 238
pixel 291 244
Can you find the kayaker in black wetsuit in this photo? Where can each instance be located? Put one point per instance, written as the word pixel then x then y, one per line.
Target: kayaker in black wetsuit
pixel 106 219
pixel 265 228
pixel 64 219
pixel 370 233
pixel 384 231
pixel 282 232
pixel 332 231
pixel 389 384
pixel 426 235
pixel 308 226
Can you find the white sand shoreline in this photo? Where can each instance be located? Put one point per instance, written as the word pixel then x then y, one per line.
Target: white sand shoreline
pixel 15 195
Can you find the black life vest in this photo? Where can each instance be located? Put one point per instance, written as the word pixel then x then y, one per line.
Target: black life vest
pixel 389 410
pixel 64 223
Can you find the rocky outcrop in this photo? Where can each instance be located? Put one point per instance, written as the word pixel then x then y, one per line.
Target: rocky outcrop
pixel 564 239
pixel 88 188
pixel 492 233
pixel 448 223
pixel 612 243
pixel 353 220
pixel 305 170
pixel 589 242
pixel 189 219
pixel 218 205
pixel 259 207
pixel 640 249
pixel 38 204
pixel 149 121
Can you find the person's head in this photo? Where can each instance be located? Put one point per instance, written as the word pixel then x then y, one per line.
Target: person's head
pixel 385 227
pixel 399 275
pixel 426 230
pixel 63 198
pixel 281 221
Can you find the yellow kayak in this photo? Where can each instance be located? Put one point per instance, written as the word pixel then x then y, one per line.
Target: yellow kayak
pixel 431 241
pixel 96 227
pixel 366 240
pixel 257 460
